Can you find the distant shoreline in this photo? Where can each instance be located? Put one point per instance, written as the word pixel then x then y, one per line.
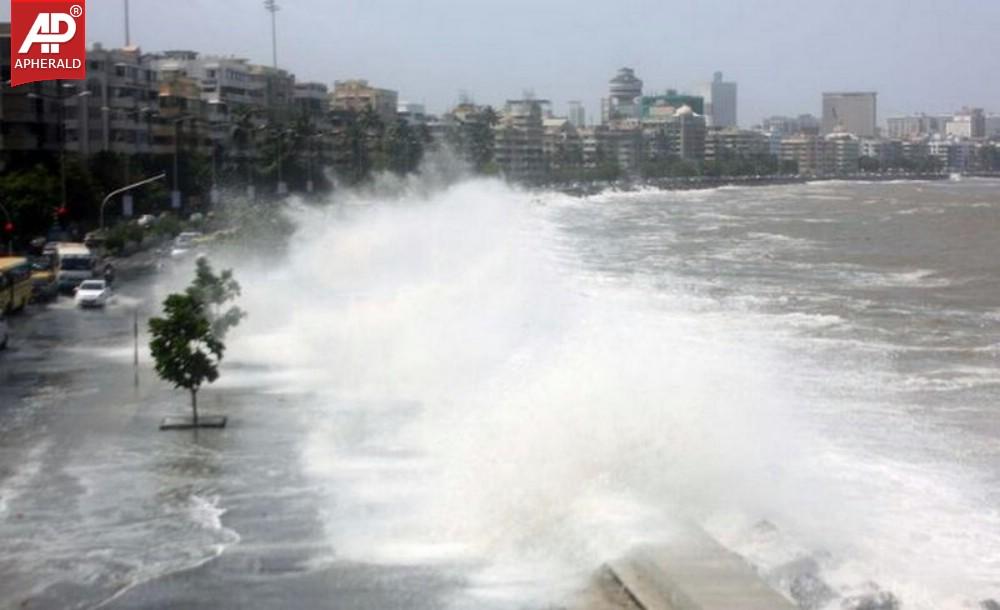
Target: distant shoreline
pixel 710 182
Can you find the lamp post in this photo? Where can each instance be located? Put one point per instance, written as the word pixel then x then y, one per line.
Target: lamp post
pixel 127 202
pixel 175 196
pixel 272 7
pixel 128 35
pixel 126 189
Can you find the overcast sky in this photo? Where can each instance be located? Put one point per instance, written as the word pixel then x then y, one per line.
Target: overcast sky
pixel 920 55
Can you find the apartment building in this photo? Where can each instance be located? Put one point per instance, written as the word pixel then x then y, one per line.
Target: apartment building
pixel 519 139
pixel 357 96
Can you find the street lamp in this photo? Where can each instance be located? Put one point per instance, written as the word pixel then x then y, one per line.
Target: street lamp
pixel 272 7
pixel 126 189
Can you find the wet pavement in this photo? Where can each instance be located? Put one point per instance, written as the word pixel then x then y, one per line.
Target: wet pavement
pixel 100 509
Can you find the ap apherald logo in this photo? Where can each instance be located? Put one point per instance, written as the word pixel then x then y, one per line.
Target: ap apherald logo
pixel 48 40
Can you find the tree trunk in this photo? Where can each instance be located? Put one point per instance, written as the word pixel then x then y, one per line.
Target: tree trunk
pixel 194 405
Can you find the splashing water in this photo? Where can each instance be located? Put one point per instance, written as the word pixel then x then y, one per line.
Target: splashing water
pixel 484 400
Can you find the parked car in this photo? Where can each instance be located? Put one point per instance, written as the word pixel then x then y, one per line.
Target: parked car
pixel 93 293
pixel 146 220
pixel 4 332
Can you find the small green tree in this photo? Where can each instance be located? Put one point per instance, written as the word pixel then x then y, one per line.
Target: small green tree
pixel 213 291
pixel 186 351
pixel 187 342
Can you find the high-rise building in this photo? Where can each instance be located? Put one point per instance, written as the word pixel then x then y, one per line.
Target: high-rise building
pixel 721 102
pixel 577 114
pixel 969 123
pixel 625 89
pixel 850 112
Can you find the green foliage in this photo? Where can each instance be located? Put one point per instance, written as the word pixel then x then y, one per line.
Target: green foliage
pixel 670 168
pixel 186 351
pixel 403 148
pixel 920 165
pixel 212 292
pixel 167 226
pixel 31 196
pixel 366 145
pixel 121 234
pixel 187 342
pixel 734 165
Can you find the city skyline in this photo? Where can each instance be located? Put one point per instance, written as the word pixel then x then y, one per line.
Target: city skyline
pixel 783 55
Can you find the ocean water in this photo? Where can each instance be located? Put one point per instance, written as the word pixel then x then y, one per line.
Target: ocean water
pixel 524 385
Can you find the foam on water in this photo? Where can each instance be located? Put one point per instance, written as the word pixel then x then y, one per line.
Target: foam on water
pixel 485 401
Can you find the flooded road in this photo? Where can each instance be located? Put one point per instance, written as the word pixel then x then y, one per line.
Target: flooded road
pixel 97 506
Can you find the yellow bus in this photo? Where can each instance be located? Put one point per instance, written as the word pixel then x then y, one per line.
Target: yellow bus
pixel 15 284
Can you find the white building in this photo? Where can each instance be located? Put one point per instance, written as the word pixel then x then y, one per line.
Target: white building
pixel 969 123
pixel 231 81
pixel 850 112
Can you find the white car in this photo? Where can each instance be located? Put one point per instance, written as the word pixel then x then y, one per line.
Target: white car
pixel 184 243
pixel 4 332
pixel 93 293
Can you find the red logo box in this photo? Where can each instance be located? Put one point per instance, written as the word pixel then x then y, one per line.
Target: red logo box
pixel 48 40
